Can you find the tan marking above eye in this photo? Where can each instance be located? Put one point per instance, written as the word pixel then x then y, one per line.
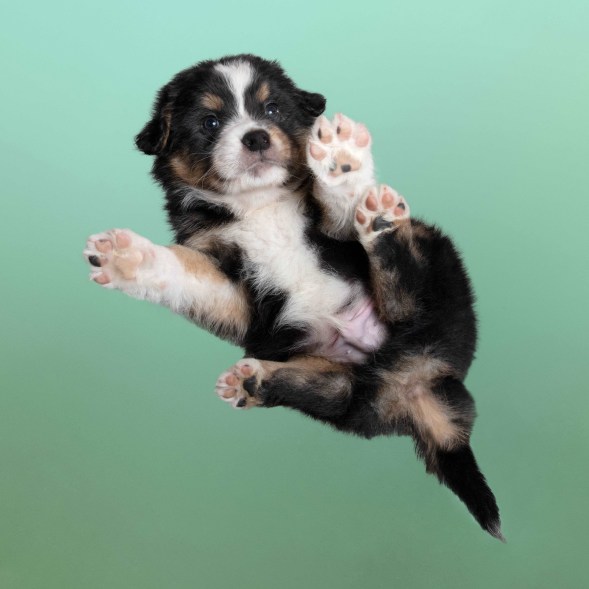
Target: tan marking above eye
pixel 212 101
pixel 263 92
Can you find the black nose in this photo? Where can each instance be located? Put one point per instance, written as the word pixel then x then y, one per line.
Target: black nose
pixel 256 140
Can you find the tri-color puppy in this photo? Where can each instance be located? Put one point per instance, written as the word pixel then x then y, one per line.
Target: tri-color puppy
pixel 347 309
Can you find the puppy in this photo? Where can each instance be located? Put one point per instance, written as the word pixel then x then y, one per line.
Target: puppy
pixel 348 310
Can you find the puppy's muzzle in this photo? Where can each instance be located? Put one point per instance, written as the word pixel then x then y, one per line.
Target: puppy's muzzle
pixel 257 140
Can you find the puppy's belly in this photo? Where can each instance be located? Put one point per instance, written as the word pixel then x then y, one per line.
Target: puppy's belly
pixel 359 333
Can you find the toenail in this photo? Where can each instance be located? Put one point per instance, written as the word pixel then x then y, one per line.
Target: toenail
pixel 94 260
pixel 346 168
pixel 241 402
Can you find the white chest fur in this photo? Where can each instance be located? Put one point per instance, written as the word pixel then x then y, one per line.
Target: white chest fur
pixel 337 313
pixel 279 257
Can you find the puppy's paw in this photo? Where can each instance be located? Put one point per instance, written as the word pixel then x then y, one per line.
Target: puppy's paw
pixel 338 152
pixel 380 209
pixel 238 385
pixel 116 257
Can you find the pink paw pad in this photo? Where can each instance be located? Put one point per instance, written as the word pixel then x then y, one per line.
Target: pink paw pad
pixel 317 152
pixel 112 255
pixel 230 385
pixel 381 208
pixel 362 137
pixel 122 239
pixel 324 132
pixel 343 127
pixel 340 146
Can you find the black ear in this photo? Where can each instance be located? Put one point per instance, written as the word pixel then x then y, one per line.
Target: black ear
pixel 313 103
pixel 155 136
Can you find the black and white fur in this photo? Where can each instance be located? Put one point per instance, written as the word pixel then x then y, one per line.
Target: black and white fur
pixel 347 310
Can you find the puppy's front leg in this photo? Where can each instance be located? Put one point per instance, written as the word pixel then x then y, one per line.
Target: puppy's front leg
pixel 338 153
pixel 186 281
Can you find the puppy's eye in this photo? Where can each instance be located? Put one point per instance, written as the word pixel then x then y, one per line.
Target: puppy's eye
pixel 272 109
pixel 211 123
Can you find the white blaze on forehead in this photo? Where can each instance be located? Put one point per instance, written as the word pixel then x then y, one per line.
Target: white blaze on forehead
pixel 239 76
pixel 230 158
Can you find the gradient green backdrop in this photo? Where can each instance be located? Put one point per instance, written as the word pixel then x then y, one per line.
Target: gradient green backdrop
pixel 119 466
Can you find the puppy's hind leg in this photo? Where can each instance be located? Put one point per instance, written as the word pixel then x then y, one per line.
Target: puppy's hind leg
pixel 396 267
pixel 313 385
pixel 442 419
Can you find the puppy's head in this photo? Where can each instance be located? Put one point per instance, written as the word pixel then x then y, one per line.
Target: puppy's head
pixel 230 126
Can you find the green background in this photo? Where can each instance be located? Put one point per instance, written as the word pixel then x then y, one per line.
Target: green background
pixel 119 466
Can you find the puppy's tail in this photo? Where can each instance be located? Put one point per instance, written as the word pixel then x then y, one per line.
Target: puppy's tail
pixel 458 470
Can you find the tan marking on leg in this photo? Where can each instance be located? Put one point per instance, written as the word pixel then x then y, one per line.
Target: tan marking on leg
pixel 202 241
pixel 263 92
pixel 420 230
pixel 405 232
pixel 392 301
pixel 406 395
pixel 308 363
pixel 304 371
pixel 435 420
pixel 212 101
pixel 198 264
pixel 226 312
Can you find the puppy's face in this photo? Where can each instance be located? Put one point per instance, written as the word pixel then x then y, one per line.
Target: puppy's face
pixel 229 126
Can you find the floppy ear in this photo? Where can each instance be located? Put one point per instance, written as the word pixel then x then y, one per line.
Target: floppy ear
pixel 313 103
pixel 154 137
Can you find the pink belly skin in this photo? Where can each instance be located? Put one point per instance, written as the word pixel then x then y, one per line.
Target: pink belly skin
pixel 361 333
